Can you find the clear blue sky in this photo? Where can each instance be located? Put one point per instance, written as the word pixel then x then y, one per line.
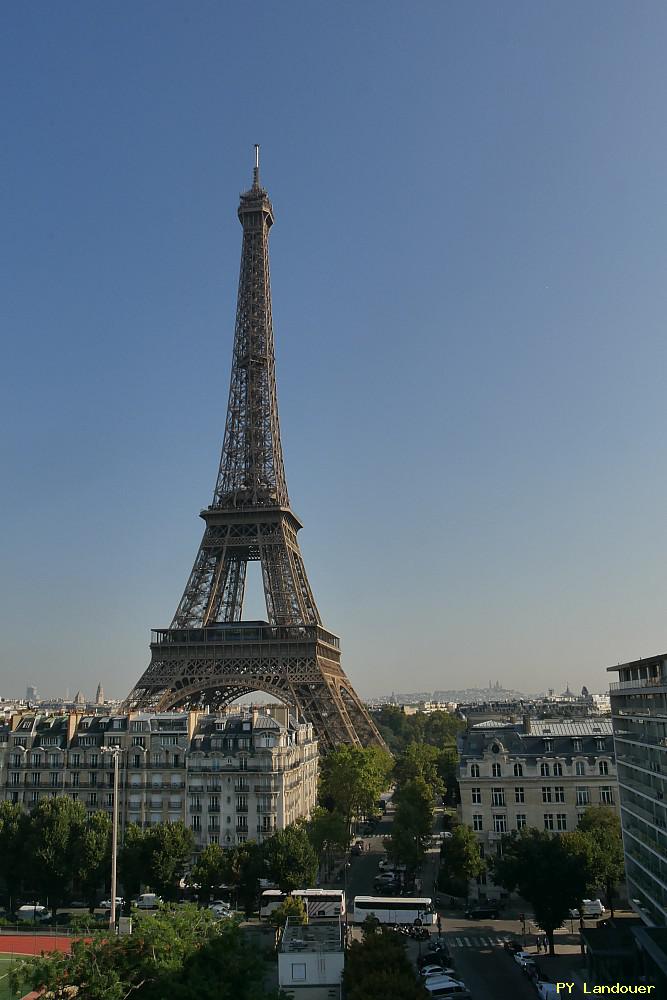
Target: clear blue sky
pixel 468 270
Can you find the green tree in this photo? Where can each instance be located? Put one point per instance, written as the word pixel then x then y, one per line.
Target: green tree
pixel 55 844
pixel 548 870
pixel 419 760
pixel 169 849
pixel 440 729
pixel 327 833
pixel 326 830
pixel 602 826
pixel 461 861
pixel 209 871
pixel 156 857
pixel 292 908
pixel 182 953
pixel 413 822
pixel 133 861
pixel 94 856
pixel 13 857
pixel 448 768
pixel 352 780
pixel 244 866
pixel 290 859
pixel 378 967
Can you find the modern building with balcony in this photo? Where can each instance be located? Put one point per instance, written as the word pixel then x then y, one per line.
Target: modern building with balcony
pixel 639 717
pixel 230 777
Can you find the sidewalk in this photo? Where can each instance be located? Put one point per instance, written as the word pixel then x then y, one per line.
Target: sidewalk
pixel 568 965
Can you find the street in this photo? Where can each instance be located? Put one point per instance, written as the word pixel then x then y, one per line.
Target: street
pixel 476 946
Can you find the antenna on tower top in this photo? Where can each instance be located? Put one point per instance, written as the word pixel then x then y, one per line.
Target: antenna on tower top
pixel 255 175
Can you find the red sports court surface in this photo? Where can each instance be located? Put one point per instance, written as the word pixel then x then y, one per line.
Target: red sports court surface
pixel 33 944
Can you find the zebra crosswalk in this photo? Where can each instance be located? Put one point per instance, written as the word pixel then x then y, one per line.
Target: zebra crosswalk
pixel 454 940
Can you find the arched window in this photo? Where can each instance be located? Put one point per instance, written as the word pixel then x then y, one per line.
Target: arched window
pixel 580 768
pixel 558 769
pixel 544 769
pixel 518 770
pixel 604 767
pixel 474 770
pixel 497 773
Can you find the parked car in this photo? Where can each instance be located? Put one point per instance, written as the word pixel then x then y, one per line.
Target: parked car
pixel 427 971
pixel 148 901
pixel 435 956
pixel 592 908
pixel 220 909
pixel 486 912
pixel 520 957
pixel 35 912
pixel 106 903
pixel 445 986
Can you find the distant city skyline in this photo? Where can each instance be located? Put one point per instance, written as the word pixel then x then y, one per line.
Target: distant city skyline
pixel 469 302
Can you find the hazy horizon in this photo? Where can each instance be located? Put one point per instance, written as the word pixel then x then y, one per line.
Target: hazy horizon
pixel 469 307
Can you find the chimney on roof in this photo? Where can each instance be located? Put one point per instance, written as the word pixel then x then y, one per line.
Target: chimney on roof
pixel 526 725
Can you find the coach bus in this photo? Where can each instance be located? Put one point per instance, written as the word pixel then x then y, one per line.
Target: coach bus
pixel 318 902
pixel 393 909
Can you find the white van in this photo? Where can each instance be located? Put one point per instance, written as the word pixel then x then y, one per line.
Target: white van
pixel 36 913
pixel 592 908
pixel 148 901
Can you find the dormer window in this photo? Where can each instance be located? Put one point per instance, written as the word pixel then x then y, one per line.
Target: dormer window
pixel 576 745
pixel 548 746
pixel 518 770
pixel 474 770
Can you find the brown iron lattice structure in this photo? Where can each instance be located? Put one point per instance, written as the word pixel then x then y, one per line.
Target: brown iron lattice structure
pixel 208 655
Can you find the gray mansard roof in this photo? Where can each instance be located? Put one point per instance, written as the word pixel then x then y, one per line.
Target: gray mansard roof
pixel 567 739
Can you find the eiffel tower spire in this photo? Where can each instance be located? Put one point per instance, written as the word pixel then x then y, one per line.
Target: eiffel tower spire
pixel 209 656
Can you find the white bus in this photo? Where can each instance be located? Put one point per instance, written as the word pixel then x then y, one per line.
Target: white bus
pixel 318 902
pixel 393 909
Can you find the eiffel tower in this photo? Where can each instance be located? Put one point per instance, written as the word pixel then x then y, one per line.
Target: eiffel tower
pixel 209 656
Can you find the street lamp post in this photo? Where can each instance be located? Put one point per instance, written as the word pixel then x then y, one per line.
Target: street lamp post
pixel 116 751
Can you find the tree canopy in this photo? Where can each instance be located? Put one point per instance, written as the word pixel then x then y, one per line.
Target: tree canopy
pixel 352 779
pixel 182 953
pixel 461 861
pixel 210 871
pixel 378 967
pixel 601 826
pixel 439 729
pixel 413 821
pixel 13 832
pixel 548 870
pixel 420 760
pixel 290 860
